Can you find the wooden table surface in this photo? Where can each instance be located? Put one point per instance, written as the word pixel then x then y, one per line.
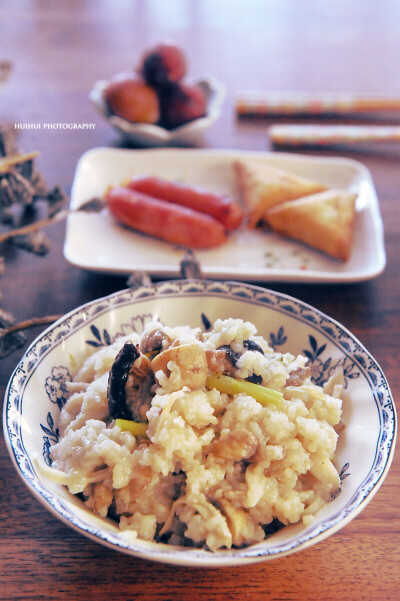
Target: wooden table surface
pixel 58 49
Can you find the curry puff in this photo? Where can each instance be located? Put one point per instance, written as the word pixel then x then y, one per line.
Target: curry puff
pixel 263 186
pixel 324 221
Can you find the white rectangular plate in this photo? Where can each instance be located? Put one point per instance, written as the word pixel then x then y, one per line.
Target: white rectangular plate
pixel 96 242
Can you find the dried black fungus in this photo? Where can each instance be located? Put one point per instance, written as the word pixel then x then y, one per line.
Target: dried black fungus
pixel 232 355
pixel 252 346
pixel 273 526
pixel 255 379
pixel 129 385
pixel 117 380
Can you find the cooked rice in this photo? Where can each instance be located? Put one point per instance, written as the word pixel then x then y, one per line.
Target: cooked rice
pixel 215 470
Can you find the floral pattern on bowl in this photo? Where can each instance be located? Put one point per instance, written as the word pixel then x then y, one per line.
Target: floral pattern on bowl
pixel 36 392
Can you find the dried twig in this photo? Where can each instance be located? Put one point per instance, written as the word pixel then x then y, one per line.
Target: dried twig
pixel 28 323
pixel 33 227
pixel 11 337
pixel 8 162
pixel 12 341
pixel 36 242
pixel 95 205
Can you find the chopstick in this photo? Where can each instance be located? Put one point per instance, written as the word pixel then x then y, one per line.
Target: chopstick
pixel 259 103
pixel 326 135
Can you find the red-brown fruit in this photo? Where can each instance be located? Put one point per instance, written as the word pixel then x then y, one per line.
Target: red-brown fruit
pixel 132 100
pixel 162 64
pixel 182 103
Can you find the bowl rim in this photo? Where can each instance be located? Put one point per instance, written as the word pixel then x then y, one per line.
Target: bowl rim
pixel 286 304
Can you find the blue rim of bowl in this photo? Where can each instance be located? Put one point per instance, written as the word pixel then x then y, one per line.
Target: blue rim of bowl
pixel 348 344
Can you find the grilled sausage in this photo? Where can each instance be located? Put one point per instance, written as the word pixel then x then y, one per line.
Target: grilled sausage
pixel 222 208
pixel 164 220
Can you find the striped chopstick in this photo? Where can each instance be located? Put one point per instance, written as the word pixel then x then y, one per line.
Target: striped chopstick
pixel 292 103
pixel 329 135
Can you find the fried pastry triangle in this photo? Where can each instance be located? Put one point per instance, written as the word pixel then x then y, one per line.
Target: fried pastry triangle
pixel 324 221
pixel 263 186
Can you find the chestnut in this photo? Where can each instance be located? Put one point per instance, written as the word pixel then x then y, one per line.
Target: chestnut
pixel 132 100
pixel 163 63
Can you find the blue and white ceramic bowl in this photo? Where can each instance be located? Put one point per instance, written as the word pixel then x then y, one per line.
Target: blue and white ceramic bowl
pixel 36 392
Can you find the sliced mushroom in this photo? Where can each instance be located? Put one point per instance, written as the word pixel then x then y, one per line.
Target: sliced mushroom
pixel 190 365
pixel 153 340
pixel 102 498
pixel 236 520
pixel 218 361
pixel 129 385
pixel 235 445
pixel 224 360
pixel 298 376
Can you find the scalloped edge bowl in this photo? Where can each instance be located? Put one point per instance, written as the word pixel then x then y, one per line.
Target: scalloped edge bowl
pixel 365 447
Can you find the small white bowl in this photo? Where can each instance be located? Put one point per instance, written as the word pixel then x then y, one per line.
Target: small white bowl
pixel 36 392
pixel 146 134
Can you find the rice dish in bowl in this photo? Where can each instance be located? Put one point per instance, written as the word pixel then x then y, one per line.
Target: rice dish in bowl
pixel 172 427
pixel 179 459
